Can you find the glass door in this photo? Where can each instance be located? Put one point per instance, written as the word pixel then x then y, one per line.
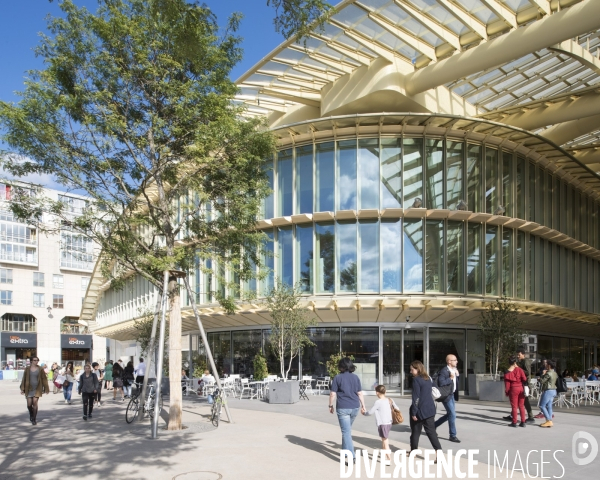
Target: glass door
pixel 413 350
pixel 392 360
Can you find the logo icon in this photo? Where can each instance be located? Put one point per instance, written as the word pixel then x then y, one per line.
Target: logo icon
pixel 74 341
pixel 17 339
pixel 584 448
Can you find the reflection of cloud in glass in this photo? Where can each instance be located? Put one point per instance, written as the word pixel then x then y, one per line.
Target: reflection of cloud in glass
pixel 347 192
pixel 413 279
pixel 390 255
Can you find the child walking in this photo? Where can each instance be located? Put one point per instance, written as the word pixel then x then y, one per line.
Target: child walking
pixel 383 416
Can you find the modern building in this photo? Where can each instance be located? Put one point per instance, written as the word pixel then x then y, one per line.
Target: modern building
pixel 433 156
pixel 43 280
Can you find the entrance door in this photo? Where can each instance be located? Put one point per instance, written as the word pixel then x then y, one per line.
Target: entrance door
pixel 412 346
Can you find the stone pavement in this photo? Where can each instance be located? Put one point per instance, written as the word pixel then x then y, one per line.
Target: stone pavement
pixel 300 441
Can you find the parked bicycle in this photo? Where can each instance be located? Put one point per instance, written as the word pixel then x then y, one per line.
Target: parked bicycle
pixel 218 401
pixel 133 407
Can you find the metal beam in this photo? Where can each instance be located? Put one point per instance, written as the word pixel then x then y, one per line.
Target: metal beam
pixel 576 51
pixel 544 5
pixel 501 11
pixel 381 51
pixel 578 19
pixel 325 59
pixel 355 55
pixel 467 20
pixel 564 132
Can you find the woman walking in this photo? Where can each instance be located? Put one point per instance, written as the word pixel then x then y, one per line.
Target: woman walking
pixel 108 375
pixel 514 379
pixel 128 378
pixel 33 385
pixel 548 393
pixel 422 409
pixel 88 387
pixel 68 383
pixel 100 376
pixel 347 391
pixel 118 374
pixel 55 373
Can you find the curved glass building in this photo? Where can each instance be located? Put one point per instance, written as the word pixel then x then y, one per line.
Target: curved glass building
pixel 432 157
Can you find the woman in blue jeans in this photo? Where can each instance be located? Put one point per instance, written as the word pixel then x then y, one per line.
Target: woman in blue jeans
pixel 548 381
pixel 69 377
pixel 347 392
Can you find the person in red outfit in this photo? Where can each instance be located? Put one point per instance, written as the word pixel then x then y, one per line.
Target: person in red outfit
pixel 514 379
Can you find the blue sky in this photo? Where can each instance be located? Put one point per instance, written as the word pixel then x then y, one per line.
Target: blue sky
pixel 21 21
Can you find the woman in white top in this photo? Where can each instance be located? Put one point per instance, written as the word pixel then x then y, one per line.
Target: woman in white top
pixel 383 416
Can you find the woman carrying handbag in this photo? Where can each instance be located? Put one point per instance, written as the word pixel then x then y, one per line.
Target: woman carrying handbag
pixel 68 382
pixel 33 385
pixel 100 376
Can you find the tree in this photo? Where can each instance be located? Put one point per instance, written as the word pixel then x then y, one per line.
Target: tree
pixel 502 331
pixel 260 367
pixel 289 321
pixel 135 110
pixel 297 18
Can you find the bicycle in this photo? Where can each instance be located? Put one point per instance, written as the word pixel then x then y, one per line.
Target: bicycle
pixel 133 407
pixel 215 412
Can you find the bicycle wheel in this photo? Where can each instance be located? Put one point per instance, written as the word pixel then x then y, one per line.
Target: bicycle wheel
pixel 151 404
pixel 132 410
pixel 216 414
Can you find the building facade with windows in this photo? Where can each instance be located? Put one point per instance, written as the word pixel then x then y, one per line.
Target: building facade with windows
pixel 43 280
pixel 432 157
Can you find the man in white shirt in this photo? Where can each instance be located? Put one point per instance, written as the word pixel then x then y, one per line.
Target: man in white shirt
pixel 140 372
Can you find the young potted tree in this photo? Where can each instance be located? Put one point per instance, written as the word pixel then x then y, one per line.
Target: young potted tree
pixel 502 331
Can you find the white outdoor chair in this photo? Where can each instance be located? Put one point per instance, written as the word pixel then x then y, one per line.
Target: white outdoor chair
pixel 208 387
pixel 322 384
pixel 307 382
pixel 244 387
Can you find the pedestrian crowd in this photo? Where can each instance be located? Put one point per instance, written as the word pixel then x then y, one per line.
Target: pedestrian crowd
pixel 88 382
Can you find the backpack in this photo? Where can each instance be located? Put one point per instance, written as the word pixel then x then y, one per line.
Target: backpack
pixel 561 385
pixel 440 394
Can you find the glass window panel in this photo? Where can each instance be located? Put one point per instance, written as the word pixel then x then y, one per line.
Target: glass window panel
pixel 491 180
pixel 455 257
pixel 556 205
pixel 268 206
pixel 325 244
pixel 413 255
pixel 413 170
pixel 391 253
pixel 346 175
pixel 325 178
pixel 285 176
pixel 246 344
pixel 548 196
pixel 392 351
pixel 507 183
pixel 575 362
pixel 304 237
pixel 454 173
pixel 413 350
pixel 531 212
pixel 443 342
pixel 304 179
pixel 220 345
pixel 474 178
pixel 273 364
pixel 268 282
pixel 434 150
pixel 520 187
pixel 363 345
pixel 369 256
pixel 474 246
pixel 520 265
pixel 326 343
pixel 346 236
pixel 507 247
pixel 540 183
pixel 491 260
pixel 531 273
pixel 368 172
pixel 285 253
pixel 434 260
pixel 391 173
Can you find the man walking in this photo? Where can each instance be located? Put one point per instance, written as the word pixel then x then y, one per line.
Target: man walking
pixel 525 365
pixel 140 372
pixel 446 376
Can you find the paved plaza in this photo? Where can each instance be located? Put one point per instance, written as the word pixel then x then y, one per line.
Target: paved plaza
pixel 300 441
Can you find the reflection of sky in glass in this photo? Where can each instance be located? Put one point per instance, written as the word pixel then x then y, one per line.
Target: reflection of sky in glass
pixel 346 233
pixel 369 256
pixel 284 184
pixel 346 163
pixel 304 235
pixel 286 257
pixel 391 169
pixel 325 177
pixel 325 241
pixel 413 256
pixel 368 172
pixel 390 255
pixel 268 202
pixel 413 169
pixel 304 178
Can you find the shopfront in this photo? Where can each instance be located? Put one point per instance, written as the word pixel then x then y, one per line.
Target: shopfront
pixel 76 348
pixel 17 349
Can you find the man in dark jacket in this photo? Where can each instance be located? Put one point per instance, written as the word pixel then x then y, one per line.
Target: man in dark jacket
pixel 525 365
pixel 446 376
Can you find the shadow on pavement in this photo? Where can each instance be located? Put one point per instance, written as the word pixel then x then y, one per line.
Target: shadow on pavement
pixel 322 448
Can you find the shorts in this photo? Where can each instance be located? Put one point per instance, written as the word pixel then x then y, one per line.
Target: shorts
pixel 384 430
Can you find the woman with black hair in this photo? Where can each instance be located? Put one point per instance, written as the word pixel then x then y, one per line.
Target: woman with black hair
pixel 33 385
pixel 117 381
pixel 514 379
pixel 422 410
pixel 346 390
pixel 69 375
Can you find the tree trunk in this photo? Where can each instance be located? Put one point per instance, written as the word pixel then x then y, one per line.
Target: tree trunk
pixel 175 393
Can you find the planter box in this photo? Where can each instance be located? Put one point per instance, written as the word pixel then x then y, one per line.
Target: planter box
pixel 491 391
pixel 284 392
pixel 473 380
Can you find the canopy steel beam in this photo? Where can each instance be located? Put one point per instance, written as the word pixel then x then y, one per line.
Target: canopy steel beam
pixel 576 51
pixel 544 5
pixel 467 20
pixel 501 11
pixel 578 19
pixel 564 132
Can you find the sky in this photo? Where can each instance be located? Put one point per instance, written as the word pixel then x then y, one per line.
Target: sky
pixel 21 22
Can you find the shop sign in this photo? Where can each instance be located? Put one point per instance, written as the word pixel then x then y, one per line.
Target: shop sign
pixel 19 340
pixel 75 341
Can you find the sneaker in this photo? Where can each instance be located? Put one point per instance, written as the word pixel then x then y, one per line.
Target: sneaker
pixel 508 417
pixel 66 401
pixel 85 418
pixel 514 425
pixel 530 420
pixel 522 424
pixel 90 415
pixel 539 415
pixel 454 439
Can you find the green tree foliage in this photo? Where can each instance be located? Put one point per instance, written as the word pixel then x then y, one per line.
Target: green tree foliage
pixel 289 321
pixel 143 327
pixel 334 360
pixel 260 367
pixel 135 110
pixel 296 18
pixel 502 331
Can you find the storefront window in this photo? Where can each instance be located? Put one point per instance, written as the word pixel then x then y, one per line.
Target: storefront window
pixel 391 173
pixel 346 175
pixel 391 255
pixel 413 171
pixel 363 345
pixel 392 351
pixel 475 357
pixel 273 364
pixel 285 175
pixel 369 256
pixel 325 177
pixel 304 179
pixel 368 172
pixel 220 345
pixel 413 255
pixel 443 342
pixel 326 343
pixel 246 344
